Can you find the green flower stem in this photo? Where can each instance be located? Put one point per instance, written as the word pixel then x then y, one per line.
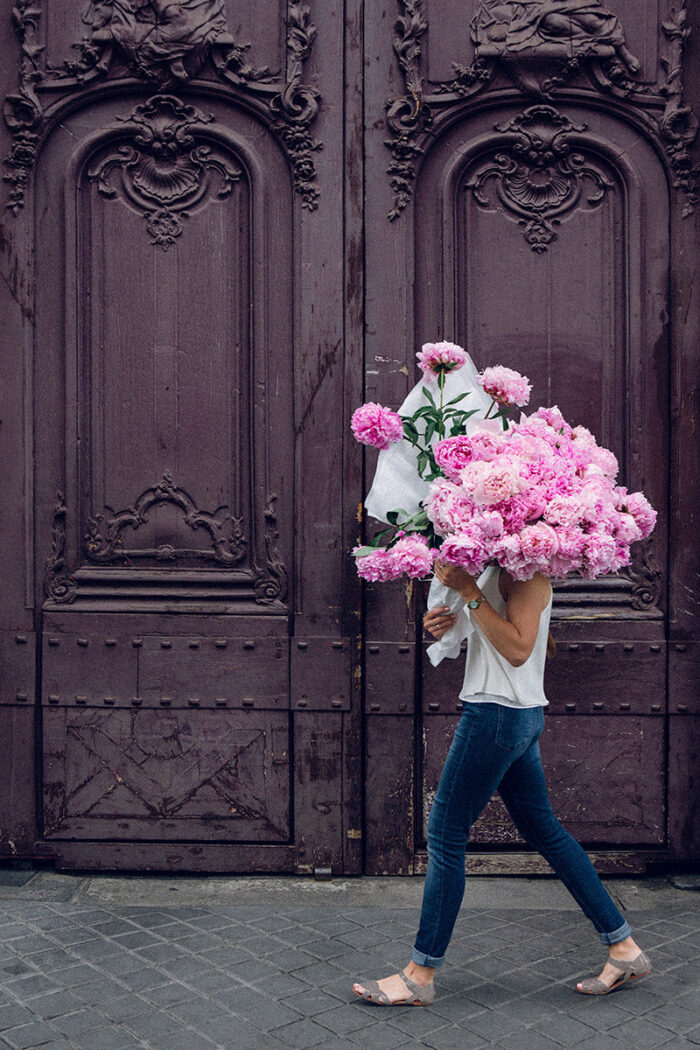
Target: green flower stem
pixel 441 423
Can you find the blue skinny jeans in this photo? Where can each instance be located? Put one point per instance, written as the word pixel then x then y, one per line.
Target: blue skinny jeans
pixel 496 748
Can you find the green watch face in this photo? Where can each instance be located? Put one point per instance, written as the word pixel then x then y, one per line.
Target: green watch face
pixel 474 603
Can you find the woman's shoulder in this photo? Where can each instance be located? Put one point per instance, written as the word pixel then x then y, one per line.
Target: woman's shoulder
pixel 537 587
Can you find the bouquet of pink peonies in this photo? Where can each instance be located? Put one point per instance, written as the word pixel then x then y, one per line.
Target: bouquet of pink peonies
pixel 533 496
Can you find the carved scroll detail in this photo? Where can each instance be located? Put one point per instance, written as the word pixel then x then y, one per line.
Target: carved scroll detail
pixel 537 175
pixel 165 171
pixel 406 114
pixel 646 577
pixel 59 585
pixel 166 44
pixel 271 581
pixel 296 106
pixel 103 537
pixel 678 125
pixel 22 111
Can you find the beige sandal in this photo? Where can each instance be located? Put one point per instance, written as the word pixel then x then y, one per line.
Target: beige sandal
pixel 416 994
pixel 630 970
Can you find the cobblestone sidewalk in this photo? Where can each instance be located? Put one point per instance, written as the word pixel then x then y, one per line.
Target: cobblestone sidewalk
pixel 80 975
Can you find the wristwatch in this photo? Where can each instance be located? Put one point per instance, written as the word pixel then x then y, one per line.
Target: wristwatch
pixel 474 603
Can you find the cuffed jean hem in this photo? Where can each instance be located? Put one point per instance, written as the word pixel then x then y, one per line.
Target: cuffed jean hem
pixel 620 934
pixel 421 959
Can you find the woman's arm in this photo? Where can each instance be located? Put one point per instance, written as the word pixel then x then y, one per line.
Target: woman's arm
pixel 514 636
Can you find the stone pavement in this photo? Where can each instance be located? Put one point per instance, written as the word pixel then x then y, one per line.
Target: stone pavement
pixel 115 963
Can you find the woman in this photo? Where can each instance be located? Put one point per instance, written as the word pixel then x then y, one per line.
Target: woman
pixel 496 747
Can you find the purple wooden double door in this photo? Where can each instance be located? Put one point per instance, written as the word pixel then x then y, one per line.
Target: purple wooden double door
pixel 225 225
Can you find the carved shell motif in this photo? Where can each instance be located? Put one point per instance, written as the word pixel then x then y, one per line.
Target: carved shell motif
pixel 538 176
pixel 161 164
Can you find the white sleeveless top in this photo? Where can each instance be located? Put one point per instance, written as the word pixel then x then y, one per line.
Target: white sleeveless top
pixel 489 673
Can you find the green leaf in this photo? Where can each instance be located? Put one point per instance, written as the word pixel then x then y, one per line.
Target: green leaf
pixel 429 396
pixel 427 411
pixel 378 538
pixel 456 400
pixel 410 430
pixel 362 552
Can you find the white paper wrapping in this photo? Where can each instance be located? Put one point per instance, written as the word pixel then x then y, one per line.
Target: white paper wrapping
pixel 396 482
pixel 449 644
pixel 397 485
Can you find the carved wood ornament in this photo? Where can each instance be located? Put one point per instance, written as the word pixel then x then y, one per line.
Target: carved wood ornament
pixel 164 167
pixel 515 44
pixel 537 176
pixel 167 45
pixel 103 544
pixel 59 585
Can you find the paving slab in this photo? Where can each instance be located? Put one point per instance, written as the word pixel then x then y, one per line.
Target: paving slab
pixel 237 963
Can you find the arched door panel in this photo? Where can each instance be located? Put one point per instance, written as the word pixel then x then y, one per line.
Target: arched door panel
pixel 574 295
pixel 166 646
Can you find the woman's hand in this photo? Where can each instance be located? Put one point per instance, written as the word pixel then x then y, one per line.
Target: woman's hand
pixel 457 579
pixel 439 620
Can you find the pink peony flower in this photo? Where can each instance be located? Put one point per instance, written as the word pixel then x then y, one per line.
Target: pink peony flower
pixel 509 553
pixel 627 529
pixel 642 511
pixel 467 550
pixel 489 483
pixel 452 454
pixel 486 439
pixel 583 438
pixel 437 358
pixel 569 557
pixel 514 512
pixel 448 507
pixel 553 418
pixel 490 523
pixel 412 556
pixel 530 447
pixel 505 385
pixel 605 460
pixel 565 510
pixel 599 553
pixel 620 497
pixel 597 496
pixel 534 501
pixel 539 544
pixel 377 567
pixel 622 557
pixel 375 425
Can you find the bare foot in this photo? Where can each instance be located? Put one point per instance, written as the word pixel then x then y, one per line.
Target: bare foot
pixel 625 950
pixel 394 986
